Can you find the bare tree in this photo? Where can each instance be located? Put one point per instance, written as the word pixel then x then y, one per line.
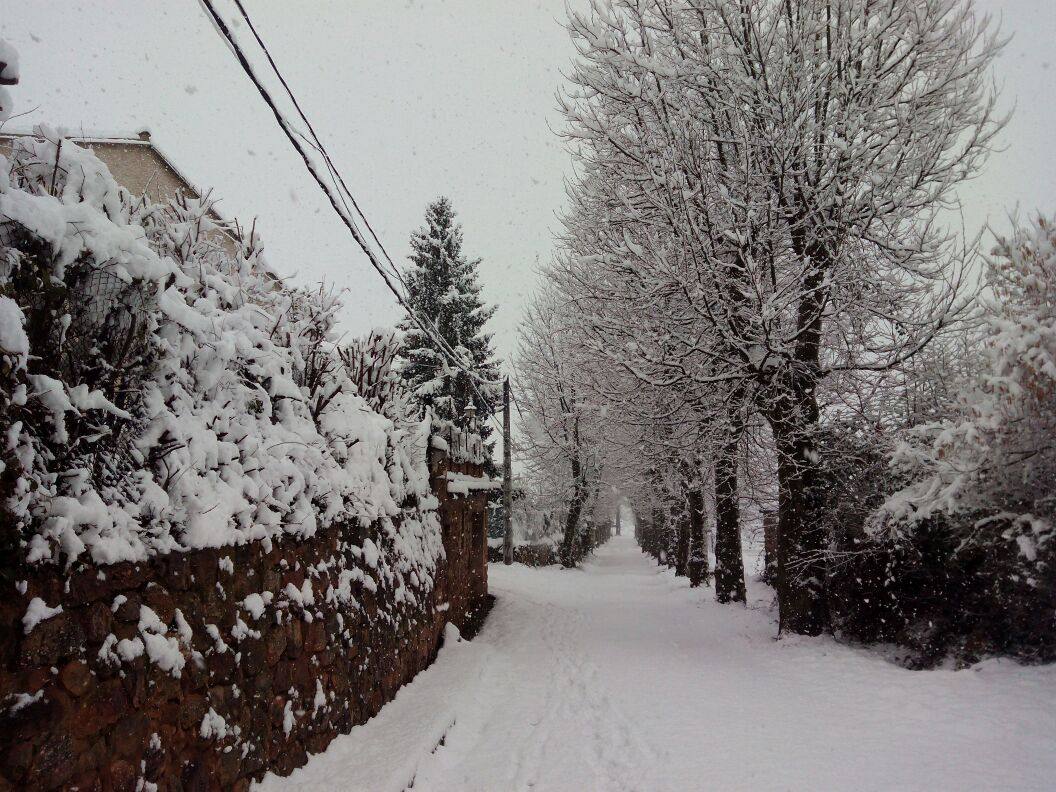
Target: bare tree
pixel 774 171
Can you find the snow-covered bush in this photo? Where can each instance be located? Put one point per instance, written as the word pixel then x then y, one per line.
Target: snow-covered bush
pixel 372 363
pixel 973 529
pixel 921 587
pixel 995 461
pixel 162 390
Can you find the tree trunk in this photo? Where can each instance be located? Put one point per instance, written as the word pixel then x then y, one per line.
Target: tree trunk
pixel 659 535
pixel 507 478
pixel 682 557
pixel 801 543
pixel 770 534
pixel 729 561
pixel 680 521
pixel 698 548
pixel 671 538
pixel 569 544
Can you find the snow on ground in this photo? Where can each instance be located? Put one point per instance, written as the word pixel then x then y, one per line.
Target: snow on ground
pixel 620 677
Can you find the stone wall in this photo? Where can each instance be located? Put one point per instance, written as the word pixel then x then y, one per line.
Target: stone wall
pixel 218 711
pixel 534 555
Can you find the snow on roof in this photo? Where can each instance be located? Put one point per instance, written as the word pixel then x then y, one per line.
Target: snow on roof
pixel 140 138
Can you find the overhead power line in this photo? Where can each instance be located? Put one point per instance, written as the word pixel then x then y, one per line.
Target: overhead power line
pixel 338 203
pixel 334 173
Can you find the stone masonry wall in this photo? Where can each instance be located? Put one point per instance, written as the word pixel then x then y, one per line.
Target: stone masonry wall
pixel 290 683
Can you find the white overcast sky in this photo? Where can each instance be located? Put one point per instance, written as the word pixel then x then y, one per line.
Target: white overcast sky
pixel 413 99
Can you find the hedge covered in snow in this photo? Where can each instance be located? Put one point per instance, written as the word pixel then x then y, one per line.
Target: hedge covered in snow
pixel 161 389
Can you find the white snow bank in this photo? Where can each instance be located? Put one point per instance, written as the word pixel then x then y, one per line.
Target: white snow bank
pixel 213 726
pixel 13 339
pixel 19 701
pixel 9 75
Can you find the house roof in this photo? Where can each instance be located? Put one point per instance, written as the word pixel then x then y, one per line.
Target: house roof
pixel 131 141
pixel 141 138
pixel 134 141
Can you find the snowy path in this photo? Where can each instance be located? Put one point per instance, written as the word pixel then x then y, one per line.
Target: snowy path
pixel 620 677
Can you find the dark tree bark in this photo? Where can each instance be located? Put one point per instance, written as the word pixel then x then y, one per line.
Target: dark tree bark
pixel 680 524
pixel 729 561
pixel 570 542
pixel 793 414
pixel 671 538
pixel 801 543
pixel 698 550
pixel 659 525
pixel 647 534
pixel 770 538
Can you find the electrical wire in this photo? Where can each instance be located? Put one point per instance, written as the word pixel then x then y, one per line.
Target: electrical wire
pixel 335 174
pixel 442 345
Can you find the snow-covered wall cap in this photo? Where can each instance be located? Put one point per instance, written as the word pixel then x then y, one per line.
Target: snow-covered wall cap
pixel 463 483
pixel 134 138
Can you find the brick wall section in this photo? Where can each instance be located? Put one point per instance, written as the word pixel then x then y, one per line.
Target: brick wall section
pixel 465 532
pixel 94 725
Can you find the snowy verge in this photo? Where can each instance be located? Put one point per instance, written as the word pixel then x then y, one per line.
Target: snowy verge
pixel 384 754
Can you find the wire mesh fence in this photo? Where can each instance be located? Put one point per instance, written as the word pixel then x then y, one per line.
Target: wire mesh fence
pixel 108 317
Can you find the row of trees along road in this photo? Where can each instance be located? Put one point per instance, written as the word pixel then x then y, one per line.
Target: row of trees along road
pixel 754 250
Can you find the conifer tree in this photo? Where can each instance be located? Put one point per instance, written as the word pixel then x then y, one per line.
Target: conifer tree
pixel 442 289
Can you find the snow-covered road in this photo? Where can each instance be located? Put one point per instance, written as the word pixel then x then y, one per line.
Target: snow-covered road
pixel 620 677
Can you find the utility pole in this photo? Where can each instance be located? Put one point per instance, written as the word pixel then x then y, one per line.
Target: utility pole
pixel 507 478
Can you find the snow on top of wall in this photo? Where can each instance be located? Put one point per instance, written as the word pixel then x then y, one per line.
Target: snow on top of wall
pixel 82 136
pixel 463 483
pixel 227 438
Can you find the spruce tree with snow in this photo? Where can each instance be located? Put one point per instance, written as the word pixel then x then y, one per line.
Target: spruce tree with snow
pixel 443 291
